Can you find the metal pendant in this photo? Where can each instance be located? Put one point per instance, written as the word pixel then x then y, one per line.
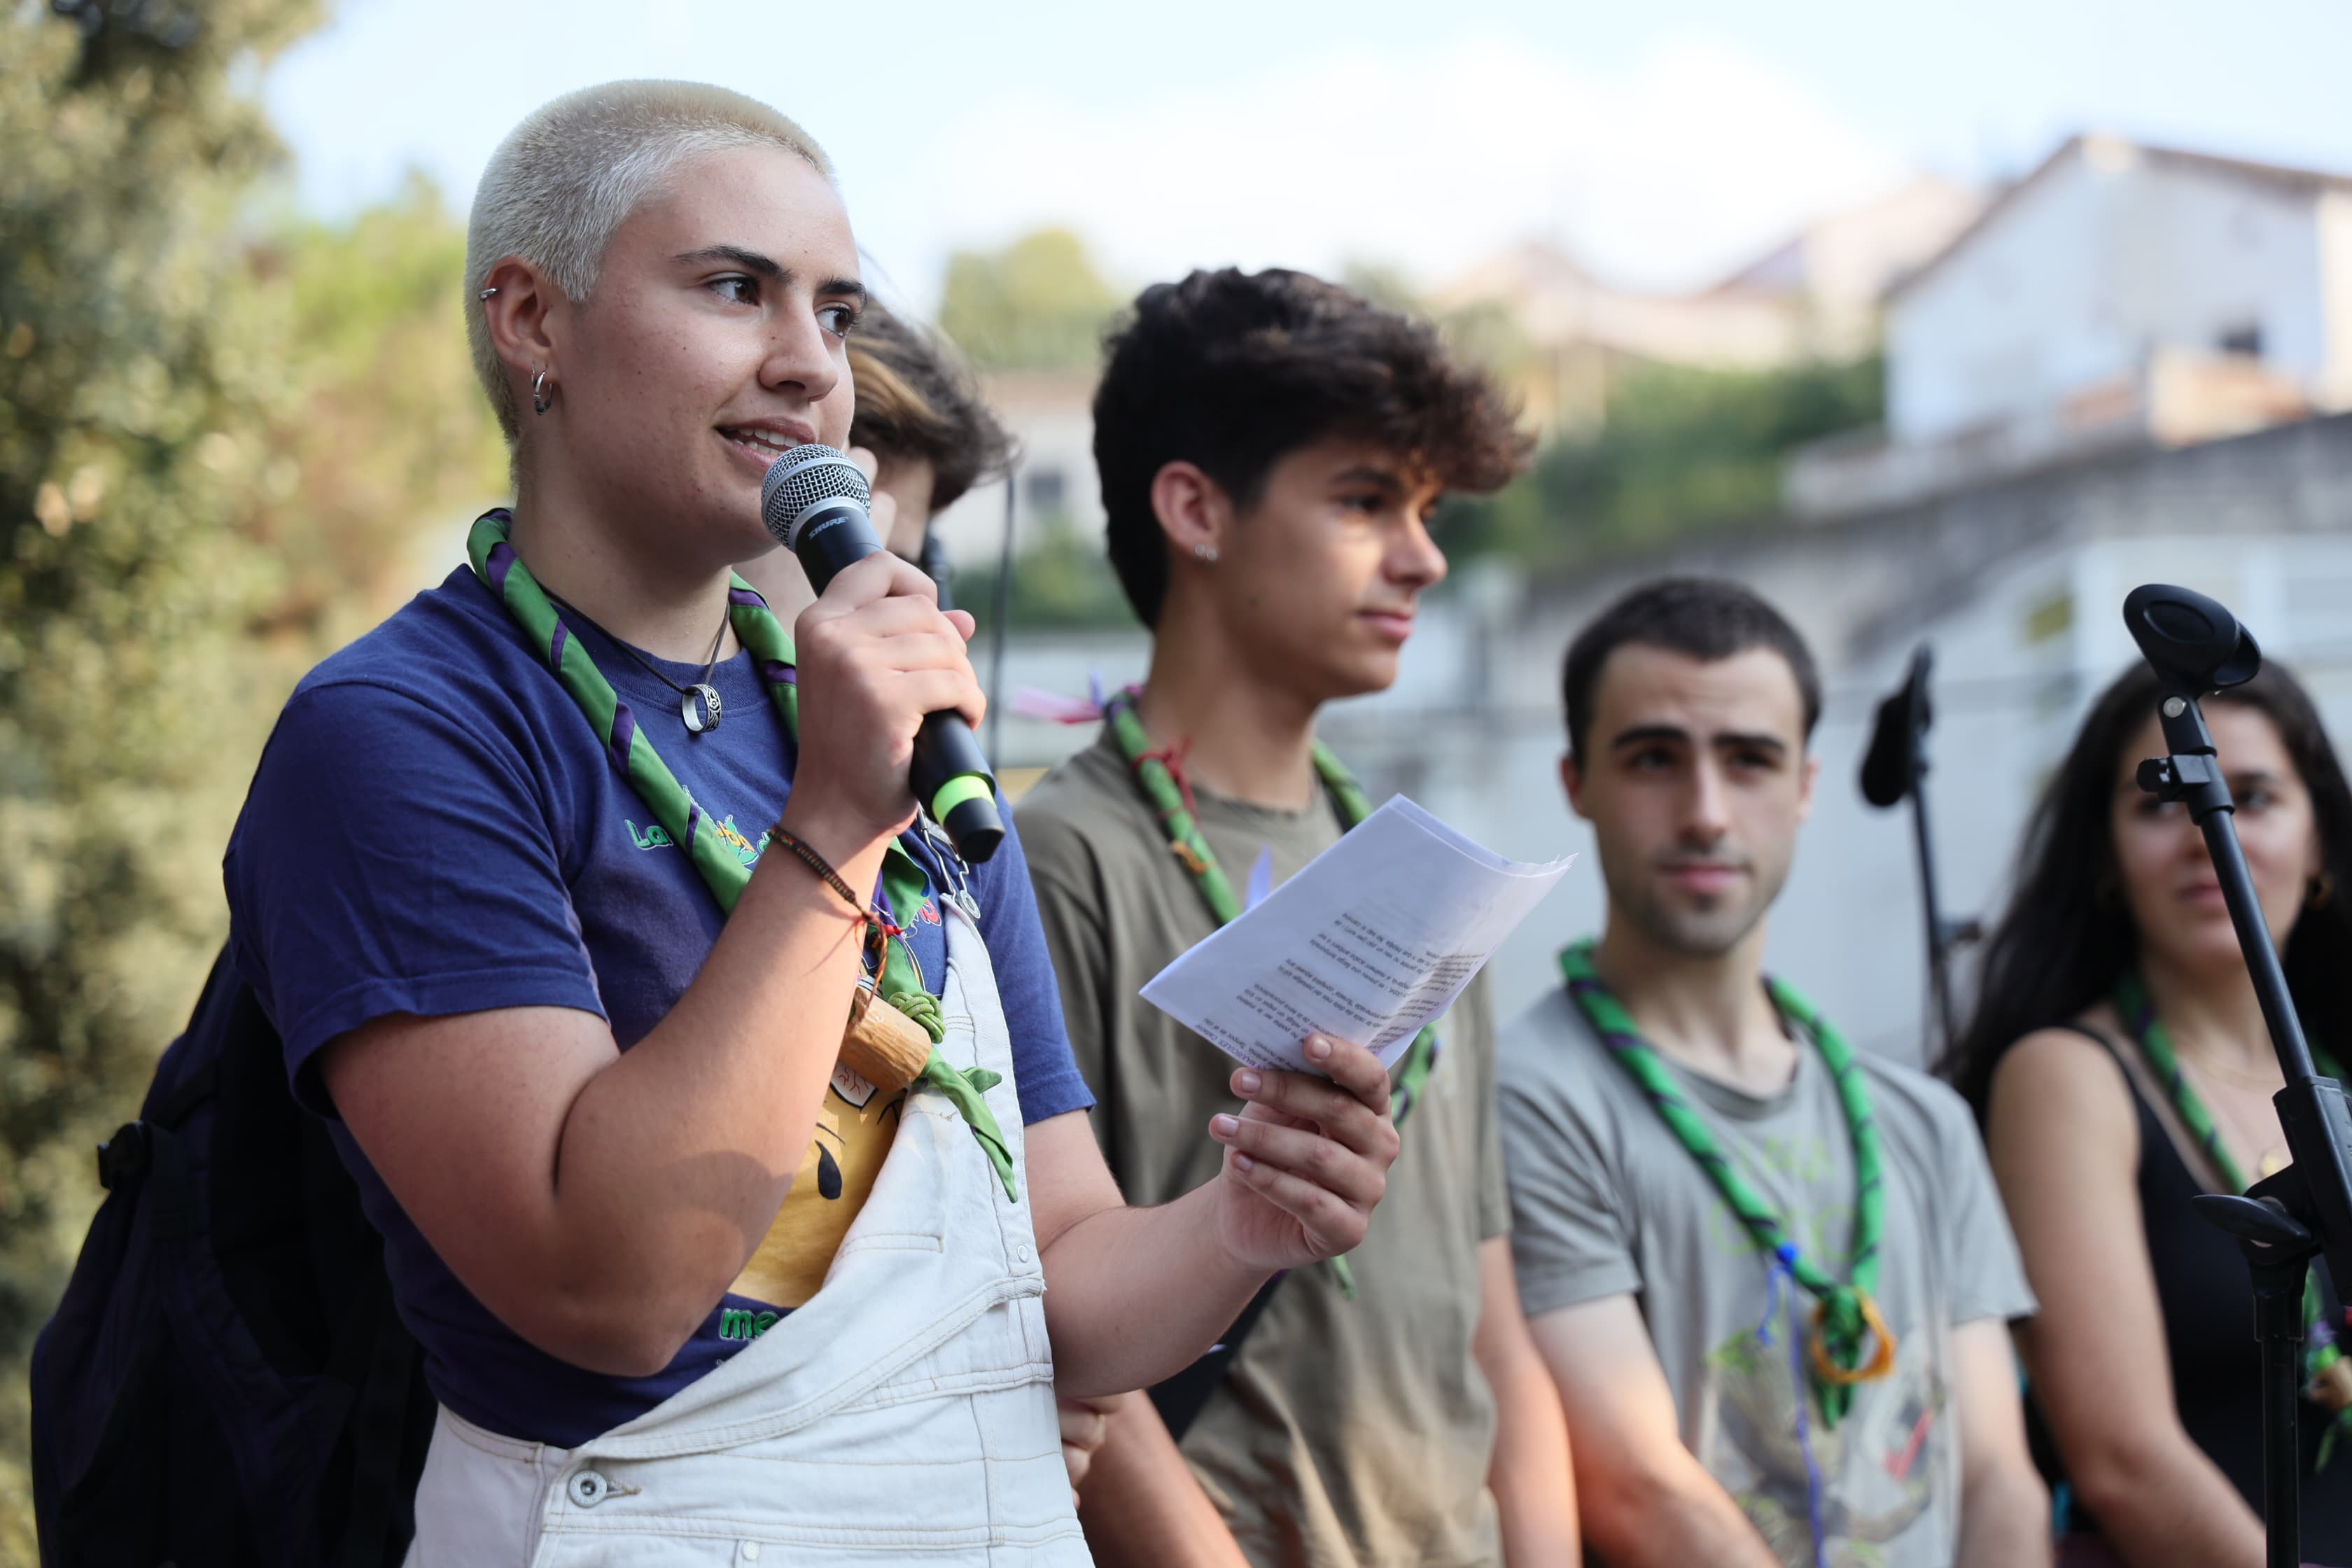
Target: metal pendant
pixel 700 708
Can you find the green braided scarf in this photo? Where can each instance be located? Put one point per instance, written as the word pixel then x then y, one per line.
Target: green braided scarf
pixel 689 825
pixel 2138 1012
pixel 1186 842
pixel 1846 1315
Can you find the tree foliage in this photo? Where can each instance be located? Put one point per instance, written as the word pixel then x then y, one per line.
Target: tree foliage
pixel 1680 450
pixel 1061 580
pixel 217 435
pixel 1036 304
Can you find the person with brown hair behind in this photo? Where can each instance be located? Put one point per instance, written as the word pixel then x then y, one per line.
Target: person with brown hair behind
pixel 1271 447
pixel 922 425
pixel 2118 1060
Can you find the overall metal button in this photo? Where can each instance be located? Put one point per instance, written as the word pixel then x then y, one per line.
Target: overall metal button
pixel 589 1488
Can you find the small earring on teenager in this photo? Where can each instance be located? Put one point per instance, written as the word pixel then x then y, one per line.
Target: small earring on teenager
pixel 1205 553
pixel 2320 889
pixel 538 391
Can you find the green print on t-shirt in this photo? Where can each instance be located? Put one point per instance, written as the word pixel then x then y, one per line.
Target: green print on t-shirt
pixel 741 1323
pixel 1824 1230
pixel 654 835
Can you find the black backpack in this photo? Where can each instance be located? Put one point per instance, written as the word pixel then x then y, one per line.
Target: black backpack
pixel 226 1381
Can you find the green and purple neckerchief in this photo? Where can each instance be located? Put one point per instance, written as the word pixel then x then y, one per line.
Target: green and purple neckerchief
pixel 1845 1315
pixel 1171 799
pixel 631 751
pixel 2137 1011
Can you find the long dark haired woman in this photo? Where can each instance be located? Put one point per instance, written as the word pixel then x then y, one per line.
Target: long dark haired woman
pixel 2118 1058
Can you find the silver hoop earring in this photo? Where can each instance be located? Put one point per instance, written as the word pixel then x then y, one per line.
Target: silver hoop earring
pixel 539 392
pixel 486 293
pixel 1205 553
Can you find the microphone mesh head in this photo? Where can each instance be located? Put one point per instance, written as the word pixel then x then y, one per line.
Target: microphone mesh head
pixel 803 479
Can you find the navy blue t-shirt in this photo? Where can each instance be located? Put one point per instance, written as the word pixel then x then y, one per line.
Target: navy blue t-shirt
pixel 434 829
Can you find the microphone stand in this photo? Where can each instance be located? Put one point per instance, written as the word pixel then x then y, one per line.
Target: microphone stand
pixel 1895 767
pixel 2283 1221
pixel 999 612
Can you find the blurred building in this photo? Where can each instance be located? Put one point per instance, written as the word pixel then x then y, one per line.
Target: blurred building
pixel 2019 585
pixel 2119 297
pixel 2127 270
pixel 1552 330
pixel 1051 415
pixel 1560 330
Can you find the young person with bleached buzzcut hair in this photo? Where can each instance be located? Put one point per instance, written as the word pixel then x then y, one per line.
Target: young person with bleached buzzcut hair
pixel 696 1278
pixel 1272 447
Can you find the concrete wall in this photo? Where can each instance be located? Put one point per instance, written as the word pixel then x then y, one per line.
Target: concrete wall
pixel 2019 588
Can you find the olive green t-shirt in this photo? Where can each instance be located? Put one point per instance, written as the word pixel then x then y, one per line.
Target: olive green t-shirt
pixel 1347 1431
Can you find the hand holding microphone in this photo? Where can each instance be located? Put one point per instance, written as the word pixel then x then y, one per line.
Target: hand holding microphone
pixel 877 647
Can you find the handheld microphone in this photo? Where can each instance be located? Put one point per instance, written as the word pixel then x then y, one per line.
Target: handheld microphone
pixel 814 502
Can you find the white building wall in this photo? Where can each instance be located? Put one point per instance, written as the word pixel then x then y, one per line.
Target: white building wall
pixel 2334 224
pixel 1472 730
pixel 1987 329
pixel 2108 255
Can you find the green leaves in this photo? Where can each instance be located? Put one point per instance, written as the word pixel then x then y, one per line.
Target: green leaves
pixel 1037 304
pixel 1677 451
pixel 219 434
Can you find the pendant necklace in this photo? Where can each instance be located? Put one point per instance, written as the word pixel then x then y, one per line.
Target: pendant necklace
pixel 698 702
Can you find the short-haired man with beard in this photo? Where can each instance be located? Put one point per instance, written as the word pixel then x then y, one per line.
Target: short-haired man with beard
pixel 1271 447
pixel 1771 1275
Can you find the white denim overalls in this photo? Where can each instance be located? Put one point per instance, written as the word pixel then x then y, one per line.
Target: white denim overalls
pixel 903 1415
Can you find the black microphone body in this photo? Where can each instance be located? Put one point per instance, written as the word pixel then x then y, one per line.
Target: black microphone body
pixel 814 502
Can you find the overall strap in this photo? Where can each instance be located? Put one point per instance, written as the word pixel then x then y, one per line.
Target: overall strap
pixel 633 752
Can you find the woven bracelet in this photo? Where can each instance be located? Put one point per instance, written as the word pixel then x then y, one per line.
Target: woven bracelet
pixel 817 863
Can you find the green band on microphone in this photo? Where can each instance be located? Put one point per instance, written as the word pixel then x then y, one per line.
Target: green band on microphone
pixel 959 789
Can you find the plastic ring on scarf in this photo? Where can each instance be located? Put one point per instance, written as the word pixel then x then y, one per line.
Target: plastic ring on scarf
pixel 2331 1385
pixel 697 701
pixel 1882 1359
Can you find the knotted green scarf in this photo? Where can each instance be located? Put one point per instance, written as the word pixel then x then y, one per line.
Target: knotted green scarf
pixel 631 751
pixel 1846 1315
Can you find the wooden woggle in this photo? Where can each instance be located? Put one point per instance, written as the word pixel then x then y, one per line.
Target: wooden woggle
pixel 882 1045
pixel 2333 1386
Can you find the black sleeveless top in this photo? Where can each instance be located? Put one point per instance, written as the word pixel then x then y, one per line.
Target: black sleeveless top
pixel 2202 1286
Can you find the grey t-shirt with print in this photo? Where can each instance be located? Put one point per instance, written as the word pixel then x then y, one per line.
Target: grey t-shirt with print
pixel 1605 1201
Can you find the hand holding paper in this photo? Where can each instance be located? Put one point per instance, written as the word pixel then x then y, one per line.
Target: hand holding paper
pixel 1374 938
pixel 1308 1158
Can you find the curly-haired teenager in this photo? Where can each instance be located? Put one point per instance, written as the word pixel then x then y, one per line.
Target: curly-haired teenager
pixel 1270 448
pixel 2119 1061
pixel 690 1284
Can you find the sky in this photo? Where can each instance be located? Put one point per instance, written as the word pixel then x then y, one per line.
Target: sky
pixel 1662 144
